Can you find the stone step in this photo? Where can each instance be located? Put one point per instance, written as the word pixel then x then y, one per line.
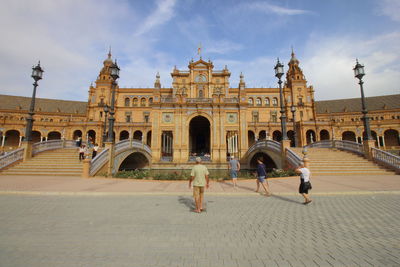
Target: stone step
pixel 44 173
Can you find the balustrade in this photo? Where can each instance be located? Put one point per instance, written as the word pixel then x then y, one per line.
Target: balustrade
pixel 11 157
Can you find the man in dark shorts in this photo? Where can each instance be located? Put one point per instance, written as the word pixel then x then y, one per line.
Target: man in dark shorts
pixel 234 168
pixel 305 183
pixel 261 177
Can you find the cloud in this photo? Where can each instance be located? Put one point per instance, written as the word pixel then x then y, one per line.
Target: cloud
pixel 163 13
pixel 274 9
pixel 328 62
pixel 390 8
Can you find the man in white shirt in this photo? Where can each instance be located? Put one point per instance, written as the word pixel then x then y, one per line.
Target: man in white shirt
pixel 305 183
pixel 199 176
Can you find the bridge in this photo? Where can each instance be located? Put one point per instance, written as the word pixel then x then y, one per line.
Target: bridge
pixel 136 155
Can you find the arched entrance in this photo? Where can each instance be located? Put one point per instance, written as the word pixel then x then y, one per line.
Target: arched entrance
pixel 269 163
pixel 251 139
pixel 310 136
pixel 349 136
pixel 277 136
pixel 54 135
pixel 324 135
pixel 149 138
pixel 392 138
pixel 262 135
pixel 77 133
pixel 36 136
pixel 123 135
pixel 92 136
pixel 137 135
pixel 134 161
pixel 290 135
pixel 199 136
pixel 12 138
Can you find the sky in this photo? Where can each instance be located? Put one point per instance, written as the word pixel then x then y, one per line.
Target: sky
pixel 71 38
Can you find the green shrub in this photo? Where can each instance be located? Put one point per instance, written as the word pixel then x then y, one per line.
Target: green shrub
pixel 135 174
pixel 282 173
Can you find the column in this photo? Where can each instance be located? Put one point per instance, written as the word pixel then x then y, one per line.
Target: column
pixel 20 140
pixel 3 140
pixel 383 141
pixel 378 141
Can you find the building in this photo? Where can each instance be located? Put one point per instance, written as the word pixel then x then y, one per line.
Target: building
pixel 201 114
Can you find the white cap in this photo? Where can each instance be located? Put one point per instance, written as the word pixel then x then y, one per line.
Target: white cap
pixel 198 159
pixel 232 157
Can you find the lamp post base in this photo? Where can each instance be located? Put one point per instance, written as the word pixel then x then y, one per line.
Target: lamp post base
pixel 284 144
pixel 28 149
pixel 110 164
pixel 368 145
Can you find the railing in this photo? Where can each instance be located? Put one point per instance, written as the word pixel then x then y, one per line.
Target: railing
pixel 387 159
pixel 339 144
pixel 98 162
pixel 267 144
pixel 52 144
pixel 11 157
pixel 293 159
pixel 127 143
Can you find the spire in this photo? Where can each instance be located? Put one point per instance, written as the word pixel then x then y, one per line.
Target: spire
pixel 108 59
pixel 109 52
pixel 241 77
pixel 293 59
pixel 157 83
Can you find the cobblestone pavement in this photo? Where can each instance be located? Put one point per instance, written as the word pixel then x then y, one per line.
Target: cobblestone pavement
pixel 161 230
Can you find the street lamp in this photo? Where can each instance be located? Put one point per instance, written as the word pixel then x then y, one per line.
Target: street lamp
pixel 114 72
pixel 37 73
pixel 279 73
pixel 105 123
pixel 293 110
pixel 359 73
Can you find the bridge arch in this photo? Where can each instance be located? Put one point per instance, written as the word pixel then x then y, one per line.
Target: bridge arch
pixel 269 150
pixel 131 154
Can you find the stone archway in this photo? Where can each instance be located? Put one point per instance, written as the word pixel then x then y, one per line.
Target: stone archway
pixel 310 137
pixel 134 161
pixel 349 136
pixel 392 138
pixel 12 138
pixel 199 136
pixel 324 135
pixel 36 136
pixel 123 135
pixel 266 159
pixel 54 135
pixel 277 136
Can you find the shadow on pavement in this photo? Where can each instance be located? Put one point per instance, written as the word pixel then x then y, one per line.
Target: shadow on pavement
pixel 188 202
pixel 238 186
pixel 286 199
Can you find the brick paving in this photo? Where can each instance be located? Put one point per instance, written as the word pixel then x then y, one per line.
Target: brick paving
pixel 70 221
pixel 235 230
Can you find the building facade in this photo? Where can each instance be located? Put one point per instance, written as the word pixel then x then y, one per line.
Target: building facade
pixel 201 114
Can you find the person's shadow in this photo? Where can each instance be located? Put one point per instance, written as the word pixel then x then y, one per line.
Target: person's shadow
pixel 188 202
pixel 285 199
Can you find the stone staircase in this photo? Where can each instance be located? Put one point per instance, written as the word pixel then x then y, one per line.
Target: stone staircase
pixel 60 162
pixel 326 161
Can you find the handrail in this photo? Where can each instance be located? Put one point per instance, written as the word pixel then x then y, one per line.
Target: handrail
pixel 293 159
pixel 268 144
pixel 387 159
pixel 52 144
pixel 98 162
pixel 127 143
pixel 11 157
pixel 339 144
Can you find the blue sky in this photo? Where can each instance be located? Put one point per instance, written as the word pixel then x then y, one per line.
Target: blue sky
pixel 71 38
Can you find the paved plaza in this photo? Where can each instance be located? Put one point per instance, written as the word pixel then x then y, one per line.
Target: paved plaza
pixel 337 229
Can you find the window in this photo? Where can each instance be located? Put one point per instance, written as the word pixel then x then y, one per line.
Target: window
pixel 258 101
pixel 146 116
pixel 255 116
pixel 274 117
pixel 101 114
pixel 127 102
pixel 267 102
pixel 150 100
pixel 301 114
pixel 289 99
pixel 308 99
pixel 143 102
pixel 275 102
pixel 128 118
pixel 101 102
pixel 251 101
pixel 135 102
pixel 300 101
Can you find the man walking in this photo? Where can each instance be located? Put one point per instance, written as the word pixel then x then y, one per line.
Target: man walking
pixel 234 168
pixel 199 176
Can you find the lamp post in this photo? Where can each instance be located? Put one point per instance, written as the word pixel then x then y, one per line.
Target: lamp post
pixel 105 123
pixel 115 75
pixel 359 73
pixel 279 73
pixel 293 110
pixel 37 73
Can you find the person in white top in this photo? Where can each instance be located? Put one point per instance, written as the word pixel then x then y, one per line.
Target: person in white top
pixel 305 183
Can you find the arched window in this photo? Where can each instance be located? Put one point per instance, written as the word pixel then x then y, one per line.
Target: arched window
pixel 150 100
pixel 143 102
pixel 251 102
pixel 258 101
pixel 275 102
pixel 127 102
pixel 267 101
pixel 135 102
